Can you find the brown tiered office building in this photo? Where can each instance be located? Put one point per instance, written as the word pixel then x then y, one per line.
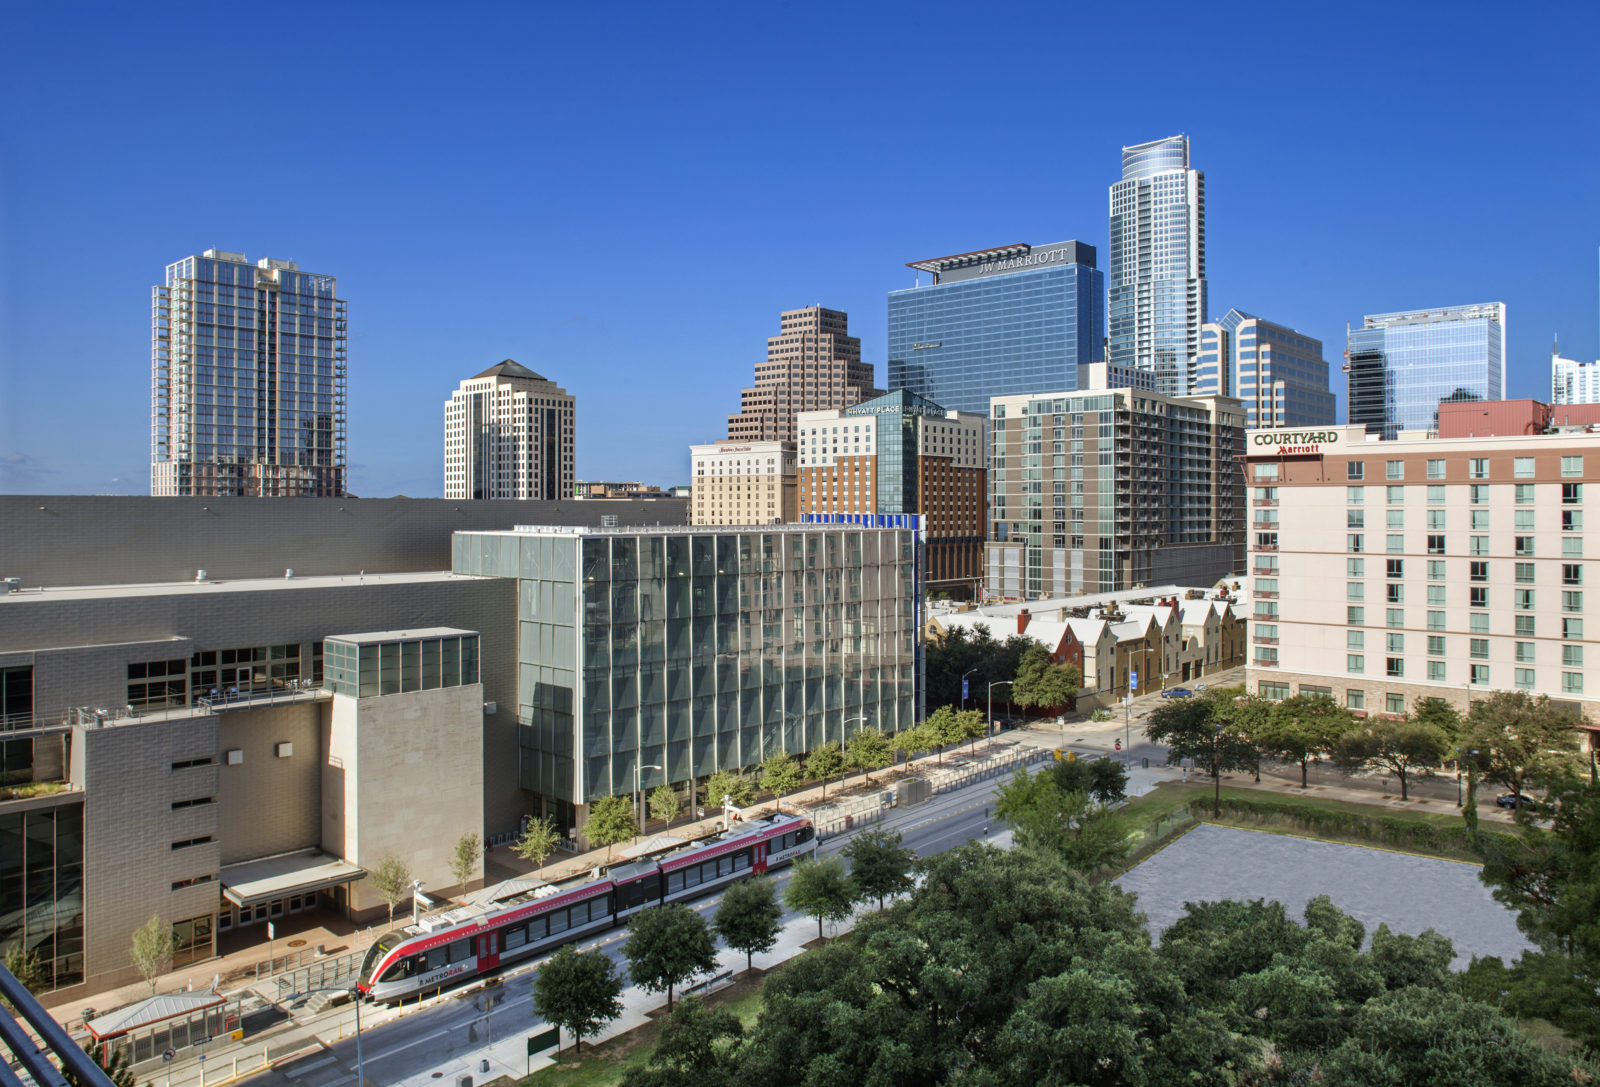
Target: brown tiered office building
pixel 902 453
pixel 812 363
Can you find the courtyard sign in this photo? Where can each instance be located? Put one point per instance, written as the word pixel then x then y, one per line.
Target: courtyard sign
pixel 1295 441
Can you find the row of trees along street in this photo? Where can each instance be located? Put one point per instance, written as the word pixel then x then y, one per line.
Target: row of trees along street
pixel 667 946
pixel 1510 738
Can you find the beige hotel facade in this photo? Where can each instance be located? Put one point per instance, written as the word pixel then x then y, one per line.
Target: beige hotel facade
pixel 1387 571
pixel 742 483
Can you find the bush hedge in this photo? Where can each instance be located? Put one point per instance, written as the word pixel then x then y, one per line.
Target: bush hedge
pixel 1418 835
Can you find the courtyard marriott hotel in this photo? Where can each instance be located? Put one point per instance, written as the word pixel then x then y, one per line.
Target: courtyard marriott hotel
pixel 650 655
pixel 1446 566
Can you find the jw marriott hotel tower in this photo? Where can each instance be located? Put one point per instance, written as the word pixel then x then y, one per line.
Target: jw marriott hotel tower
pixel 247 380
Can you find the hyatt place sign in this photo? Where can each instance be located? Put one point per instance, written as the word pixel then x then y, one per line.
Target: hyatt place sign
pixel 1286 442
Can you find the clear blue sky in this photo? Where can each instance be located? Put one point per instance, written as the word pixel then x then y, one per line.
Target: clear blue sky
pixel 624 196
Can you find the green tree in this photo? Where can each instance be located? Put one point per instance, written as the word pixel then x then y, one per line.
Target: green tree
pixel 695 1047
pixel 577 990
pixel 825 762
pixel 118 1067
pixel 731 784
pixel 820 888
pixel 1041 682
pixel 1303 729
pixel 391 879
pixel 668 945
pixel 944 728
pixel 1435 1038
pixel 610 822
pixel 1403 748
pixel 1103 780
pixel 974 725
pixel 1552 879
pixel 1521 738
pixel 869 750
pixel 25 966
pixel 153 945
pixel 465 857
pixel 1201 729
pixel 879 865
pixel 665 803
pixel 780 775
pixel 1066 824
pixel 538 841
pixel 915 741
pixel 749 918
pixel 1439 712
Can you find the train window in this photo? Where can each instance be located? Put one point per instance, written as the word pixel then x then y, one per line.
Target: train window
pixel 397 971
pixel 558 921
pixel 741 861
pixel 724 866
pixel 538 929
pixel 461 949
pixel 691 875
pixel 650 886
pixel 515 937
pixel 674 882
pixel 438 958
pixel 804 834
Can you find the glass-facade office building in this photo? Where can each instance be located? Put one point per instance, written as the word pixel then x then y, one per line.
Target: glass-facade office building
pixel 682 651
pixel 1403 365
pixel 1279 374
pixel 997 322
pixel 1157 300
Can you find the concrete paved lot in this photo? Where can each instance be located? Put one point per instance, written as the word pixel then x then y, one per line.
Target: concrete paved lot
pixel 1373 885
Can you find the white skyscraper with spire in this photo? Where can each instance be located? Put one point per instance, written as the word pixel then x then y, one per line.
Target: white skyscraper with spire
pixel 1157 297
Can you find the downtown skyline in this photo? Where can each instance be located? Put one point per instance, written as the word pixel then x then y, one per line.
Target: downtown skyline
pixel 628 230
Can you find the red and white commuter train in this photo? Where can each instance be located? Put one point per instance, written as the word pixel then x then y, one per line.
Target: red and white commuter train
pixel 523 921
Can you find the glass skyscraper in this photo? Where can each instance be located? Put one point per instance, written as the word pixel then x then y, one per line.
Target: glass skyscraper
pixel 996 322
pixel 247 387
pixel 1158 263
pixel 683 651
pixel 1403 365
pixel 1278 373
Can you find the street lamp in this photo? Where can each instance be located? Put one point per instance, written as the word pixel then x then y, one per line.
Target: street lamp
pixel 992 686
pixel 356 994
pixel 638 790
pixel 1459 753
pixel 964 676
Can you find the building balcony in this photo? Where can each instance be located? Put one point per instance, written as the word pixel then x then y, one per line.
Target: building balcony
pixel 1266 571
pixel 1267 594
pixel 1263 664
pixel 1266 547
pixel 1262 639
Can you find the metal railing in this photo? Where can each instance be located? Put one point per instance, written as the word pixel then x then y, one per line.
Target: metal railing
pixel 326 973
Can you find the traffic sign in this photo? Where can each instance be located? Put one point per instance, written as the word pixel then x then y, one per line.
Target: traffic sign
pixel 168 1054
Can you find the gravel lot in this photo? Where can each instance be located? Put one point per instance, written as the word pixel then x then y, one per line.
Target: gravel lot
pixel 1410 893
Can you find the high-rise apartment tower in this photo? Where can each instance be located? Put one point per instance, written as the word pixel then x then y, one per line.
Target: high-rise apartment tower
pixel 1157 297
pixel 813 362
pixel 509 433
pixel 247 383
